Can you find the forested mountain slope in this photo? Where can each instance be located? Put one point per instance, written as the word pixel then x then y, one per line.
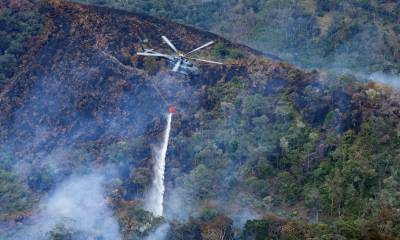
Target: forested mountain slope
pixel 362 36
pixel 259 149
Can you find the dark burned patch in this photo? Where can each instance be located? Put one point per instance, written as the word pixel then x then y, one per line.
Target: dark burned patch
pixel 90 53
pixel 275 86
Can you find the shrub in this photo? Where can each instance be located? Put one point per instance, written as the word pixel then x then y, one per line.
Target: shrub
pixel 151 65
pixel 235 54
pixel 14 196
pixel 256 229
pixel 17 29
pixel 222 52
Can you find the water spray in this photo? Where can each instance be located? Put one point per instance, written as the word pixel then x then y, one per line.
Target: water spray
pixel 155 197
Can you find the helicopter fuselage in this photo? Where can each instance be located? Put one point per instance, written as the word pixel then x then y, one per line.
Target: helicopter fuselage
pixel 186 66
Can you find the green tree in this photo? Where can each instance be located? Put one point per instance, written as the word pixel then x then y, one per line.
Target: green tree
pixel 14 196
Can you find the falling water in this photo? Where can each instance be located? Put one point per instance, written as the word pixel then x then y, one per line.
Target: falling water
pixel 155 196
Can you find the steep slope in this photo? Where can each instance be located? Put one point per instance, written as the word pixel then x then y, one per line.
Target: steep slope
pixel 353 35
pixel 253 138
pixel 75 29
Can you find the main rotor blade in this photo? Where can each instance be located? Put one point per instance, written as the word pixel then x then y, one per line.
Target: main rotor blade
pixel 197 49
pixel 177 65
pixel 207 61
pixel 155 55
pixel 169 43
pixel 151 54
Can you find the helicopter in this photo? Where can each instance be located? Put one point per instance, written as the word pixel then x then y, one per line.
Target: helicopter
pixel 180 61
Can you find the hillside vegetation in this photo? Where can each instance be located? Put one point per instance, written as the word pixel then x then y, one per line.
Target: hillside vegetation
pixel 357 35
pixel 18 27
pixel 259 149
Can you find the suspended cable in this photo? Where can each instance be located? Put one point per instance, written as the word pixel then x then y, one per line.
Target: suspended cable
pixel 159 92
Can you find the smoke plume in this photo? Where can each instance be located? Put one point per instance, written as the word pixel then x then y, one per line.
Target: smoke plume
pixel 76 209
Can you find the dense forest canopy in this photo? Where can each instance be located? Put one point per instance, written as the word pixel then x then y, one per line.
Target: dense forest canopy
pixel 17 28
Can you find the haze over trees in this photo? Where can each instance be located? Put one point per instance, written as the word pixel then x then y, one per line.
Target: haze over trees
pixel 259 149
pixel 362 36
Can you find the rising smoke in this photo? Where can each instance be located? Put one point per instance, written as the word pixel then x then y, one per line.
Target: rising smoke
pixel 391 80
pixel 160 233
pixel 77 208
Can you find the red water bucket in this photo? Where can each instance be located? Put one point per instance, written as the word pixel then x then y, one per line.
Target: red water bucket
pixel 171 109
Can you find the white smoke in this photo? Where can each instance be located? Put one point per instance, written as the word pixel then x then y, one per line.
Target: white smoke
pixel 241 216
pixel 179 204
pixel 391 80
pixel 378 77
pixel 155 197
pixel 160 233
pixel 77 204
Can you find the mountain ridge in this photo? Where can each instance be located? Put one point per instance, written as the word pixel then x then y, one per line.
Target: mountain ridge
pixel 310 33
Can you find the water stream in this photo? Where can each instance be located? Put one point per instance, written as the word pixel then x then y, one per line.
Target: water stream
pixel 155 198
